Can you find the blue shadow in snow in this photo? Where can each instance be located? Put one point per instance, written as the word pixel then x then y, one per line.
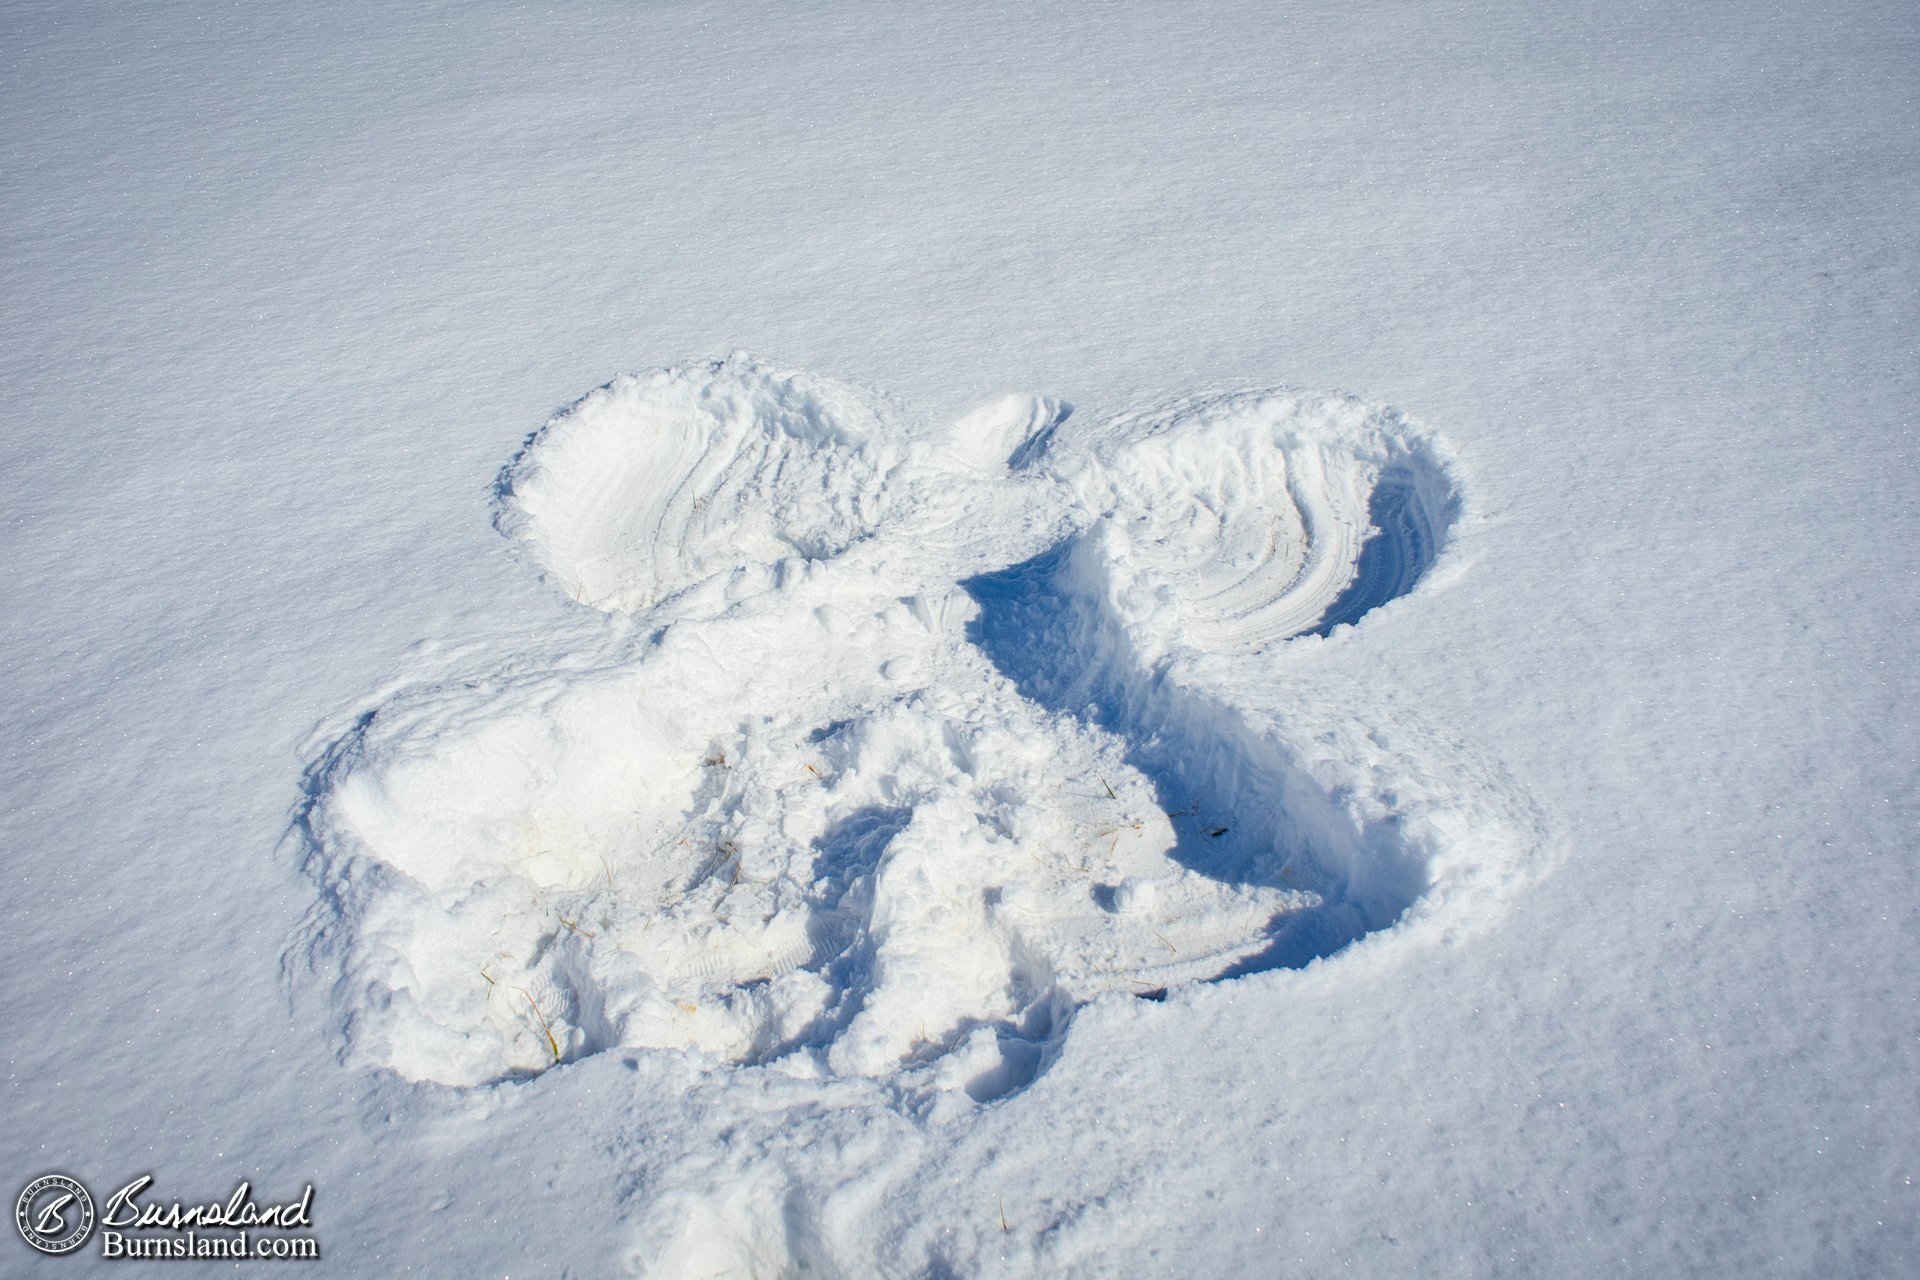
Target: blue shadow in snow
pixel 853 847
pixel 1396 553
pixel 1042 639
pixel 1050 645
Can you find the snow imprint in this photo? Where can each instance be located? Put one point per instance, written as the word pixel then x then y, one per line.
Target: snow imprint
pixel 906 747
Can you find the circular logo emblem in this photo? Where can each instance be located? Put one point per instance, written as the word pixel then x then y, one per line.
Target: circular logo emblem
pixel 55 1214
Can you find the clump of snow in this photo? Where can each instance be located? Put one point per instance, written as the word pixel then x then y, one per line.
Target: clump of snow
pixel 912 746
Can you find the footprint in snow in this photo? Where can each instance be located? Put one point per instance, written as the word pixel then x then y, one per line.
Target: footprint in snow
pixel 912 745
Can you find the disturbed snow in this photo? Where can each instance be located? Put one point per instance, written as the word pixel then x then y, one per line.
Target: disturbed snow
pixel 903 747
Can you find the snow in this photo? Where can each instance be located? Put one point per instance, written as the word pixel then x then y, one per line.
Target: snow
pixel 1556 724
pixel 813 812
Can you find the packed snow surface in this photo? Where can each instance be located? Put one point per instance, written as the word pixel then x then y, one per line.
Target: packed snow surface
pixel 914 745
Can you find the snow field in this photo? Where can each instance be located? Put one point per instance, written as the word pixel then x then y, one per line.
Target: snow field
pixel 900 748
pixel 289 287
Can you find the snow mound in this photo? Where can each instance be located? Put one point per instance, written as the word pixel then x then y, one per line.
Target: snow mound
pixel 656 481
pixel 921 744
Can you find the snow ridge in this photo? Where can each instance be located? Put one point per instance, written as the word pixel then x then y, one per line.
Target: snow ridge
pixel 918 745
